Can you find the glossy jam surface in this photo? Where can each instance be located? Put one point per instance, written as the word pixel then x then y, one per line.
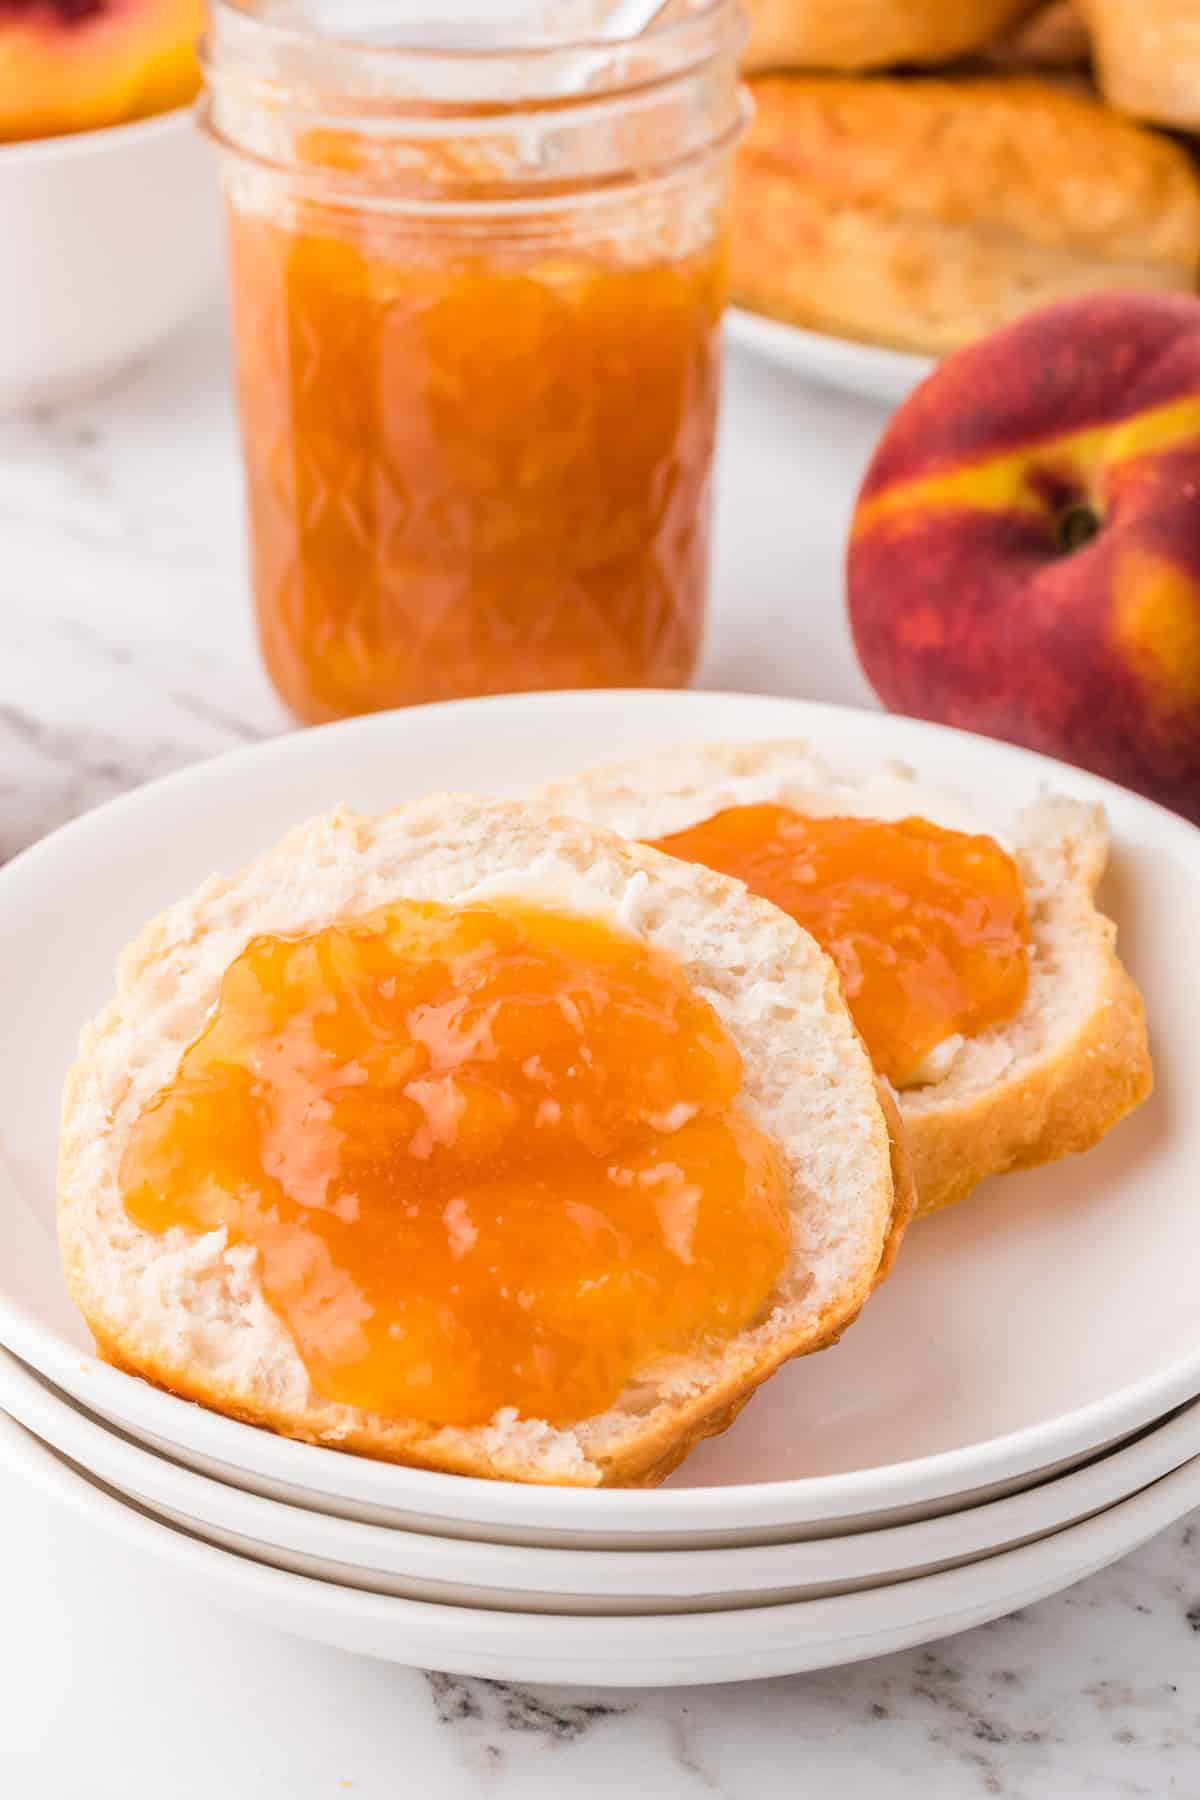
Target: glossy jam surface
pixel 927 926
pixel 472 468
pixel 488 1157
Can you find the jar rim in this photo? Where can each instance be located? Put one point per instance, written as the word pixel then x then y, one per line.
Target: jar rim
pixel 384 132
pixel 670 47
pixel 659 29
pixel 529 209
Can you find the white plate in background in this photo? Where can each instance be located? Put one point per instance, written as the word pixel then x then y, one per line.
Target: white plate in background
pixel 1048 1316
pixel 868 370
pixel 111 239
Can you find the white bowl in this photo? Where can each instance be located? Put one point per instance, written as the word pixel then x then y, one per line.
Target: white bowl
pixel 870 371
pixel 1047 1317
pixel 108 240
pixel 651 1651
pixel 499 1577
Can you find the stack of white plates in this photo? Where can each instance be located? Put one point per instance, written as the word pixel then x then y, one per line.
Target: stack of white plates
pixel 1016 1408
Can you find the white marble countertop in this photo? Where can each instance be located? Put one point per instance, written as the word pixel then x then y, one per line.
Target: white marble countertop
pixel 126 649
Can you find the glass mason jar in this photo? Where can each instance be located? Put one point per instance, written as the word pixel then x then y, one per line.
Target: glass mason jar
pixel 476 300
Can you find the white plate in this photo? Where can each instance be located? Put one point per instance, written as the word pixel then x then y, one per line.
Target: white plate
pixel 1047 1317
pixel 694 1649
pixel 418 1566
pixel 869 370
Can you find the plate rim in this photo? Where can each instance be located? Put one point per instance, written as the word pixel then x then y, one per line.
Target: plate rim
pixel 945 1603
pixel 554 1570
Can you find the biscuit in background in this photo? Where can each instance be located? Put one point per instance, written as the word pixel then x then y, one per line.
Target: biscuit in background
pixel 1147 55
pixel 923 212
pixel 850 35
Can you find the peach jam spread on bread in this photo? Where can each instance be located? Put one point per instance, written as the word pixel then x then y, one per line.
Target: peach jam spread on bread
pixel 489 1156
pixel 928 927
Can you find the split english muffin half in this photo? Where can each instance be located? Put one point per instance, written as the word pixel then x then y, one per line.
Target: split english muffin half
pixel 1050 1080
pixel 186 1309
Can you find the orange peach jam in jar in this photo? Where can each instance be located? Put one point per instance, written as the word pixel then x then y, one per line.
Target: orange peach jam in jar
pixel 476 301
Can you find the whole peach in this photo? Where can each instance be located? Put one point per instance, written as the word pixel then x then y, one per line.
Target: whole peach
pixel 1024 558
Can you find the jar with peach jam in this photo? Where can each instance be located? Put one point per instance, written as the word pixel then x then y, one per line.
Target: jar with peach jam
pixel 476 296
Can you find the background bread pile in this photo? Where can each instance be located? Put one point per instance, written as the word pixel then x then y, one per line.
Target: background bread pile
pixel 920 172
